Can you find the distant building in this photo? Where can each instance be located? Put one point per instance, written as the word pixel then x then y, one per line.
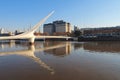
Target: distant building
pixel 57 27
pixel 48 28
pixel 5 34
pixel 1 31
pixel 76 28
pixel 104 31
pixel 61 26
pixel 18 32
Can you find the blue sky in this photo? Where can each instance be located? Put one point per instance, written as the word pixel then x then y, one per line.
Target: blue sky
pixel 20 14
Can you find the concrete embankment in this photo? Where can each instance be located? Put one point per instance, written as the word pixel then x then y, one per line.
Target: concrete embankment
pixel 101 38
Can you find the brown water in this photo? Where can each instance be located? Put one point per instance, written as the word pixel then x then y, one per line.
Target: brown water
pixel 60 61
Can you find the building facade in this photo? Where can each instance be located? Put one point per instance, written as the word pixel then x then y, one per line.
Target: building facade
pixel 48 28
pixel 57 27
pixel 106 31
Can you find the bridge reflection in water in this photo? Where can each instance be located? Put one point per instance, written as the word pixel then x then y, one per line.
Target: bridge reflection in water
pixel 31 49
pixel 66 60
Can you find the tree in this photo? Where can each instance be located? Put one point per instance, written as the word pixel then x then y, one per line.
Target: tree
pixel 77 33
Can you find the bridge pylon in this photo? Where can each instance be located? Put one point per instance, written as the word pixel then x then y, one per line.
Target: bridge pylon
pixel 31 40
pixel 29 34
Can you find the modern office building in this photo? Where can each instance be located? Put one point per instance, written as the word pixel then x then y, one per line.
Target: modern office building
pixel 57 27
pixel 48 28
pixel 62 26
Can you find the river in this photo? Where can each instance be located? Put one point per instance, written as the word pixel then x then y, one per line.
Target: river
pixel 59 60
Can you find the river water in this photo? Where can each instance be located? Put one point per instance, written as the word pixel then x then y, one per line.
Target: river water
pixel 60 60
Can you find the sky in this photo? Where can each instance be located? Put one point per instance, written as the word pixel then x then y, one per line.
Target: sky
pixel 21 14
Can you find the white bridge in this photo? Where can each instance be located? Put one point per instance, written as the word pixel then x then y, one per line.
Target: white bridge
pixel 30 34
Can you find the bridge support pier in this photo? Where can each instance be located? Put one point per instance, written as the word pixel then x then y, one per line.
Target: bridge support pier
pixel 31 41
pixel 66 39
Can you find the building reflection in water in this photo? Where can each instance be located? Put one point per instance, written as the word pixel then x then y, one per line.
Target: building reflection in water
pixel 78 46
pixel 64 50
pixel 5 44
pixel 55 48
pixel 108 46
pixel 27 53
pixel 77 67
pixel 102 46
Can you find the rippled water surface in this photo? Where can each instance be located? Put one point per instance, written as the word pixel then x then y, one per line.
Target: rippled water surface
pixel 60 61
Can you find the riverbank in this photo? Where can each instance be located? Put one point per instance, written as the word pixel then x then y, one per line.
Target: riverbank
pixel 100 38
